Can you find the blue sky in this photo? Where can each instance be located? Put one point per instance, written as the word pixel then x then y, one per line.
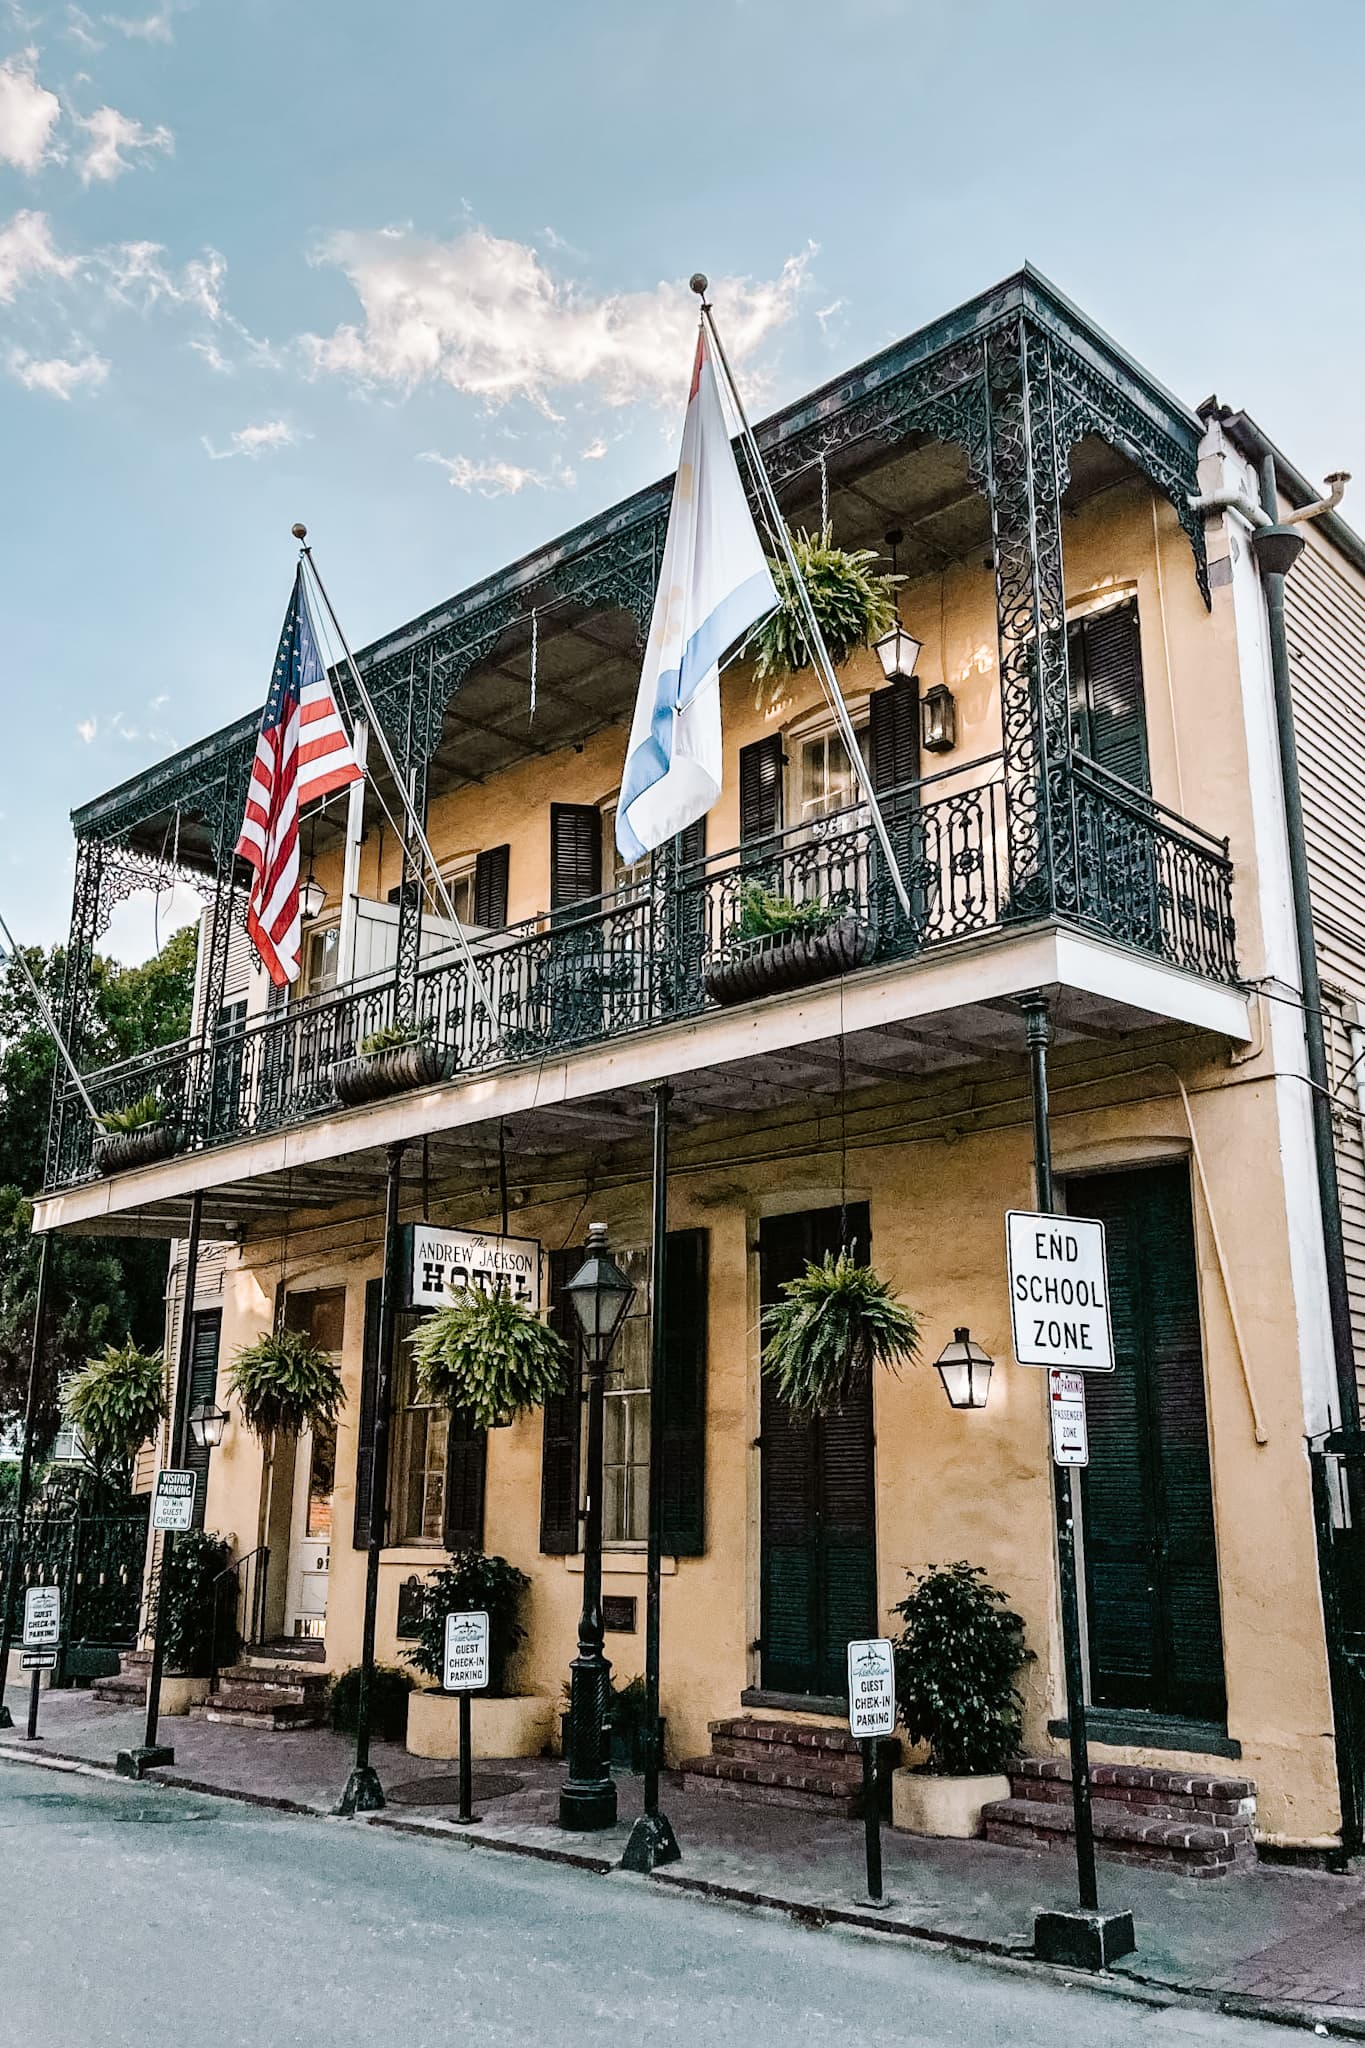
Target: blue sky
pixel 416 274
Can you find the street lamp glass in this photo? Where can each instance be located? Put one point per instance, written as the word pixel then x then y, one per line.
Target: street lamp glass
pixel 207 1424
pixel 312 896
pixel 600 1293
pixel 965 1370
pixel 897 651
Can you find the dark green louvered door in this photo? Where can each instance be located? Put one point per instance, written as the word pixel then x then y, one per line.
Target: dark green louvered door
pixel 1151 1565
pixel 818 1511
pixel 205 1334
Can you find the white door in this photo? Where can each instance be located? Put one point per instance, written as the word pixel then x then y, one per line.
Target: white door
pixel 310 1535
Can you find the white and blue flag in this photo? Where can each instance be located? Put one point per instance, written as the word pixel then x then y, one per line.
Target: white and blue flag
pixel 713 584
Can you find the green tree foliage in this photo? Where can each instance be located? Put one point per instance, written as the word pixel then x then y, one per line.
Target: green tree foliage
pixel 103 1290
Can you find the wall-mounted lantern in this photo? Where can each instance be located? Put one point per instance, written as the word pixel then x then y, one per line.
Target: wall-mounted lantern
pixel 965 1370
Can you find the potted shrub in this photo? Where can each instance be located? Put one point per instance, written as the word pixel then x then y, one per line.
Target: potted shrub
pixel 504 1723
pixel 776 943
pixel 284 1383
pixel 628 1719
pixel 389 1691
pixel 396 1056
pixel 834 1322
pixel 957 1657
pixel 198 1618
pixel 488 1355
pixel 116 1403
pixel 136 1135
pixel 853 605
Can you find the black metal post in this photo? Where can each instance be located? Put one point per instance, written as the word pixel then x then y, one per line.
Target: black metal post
pixel 364 1793
pixel 872 1823
pixel 14 1562
pixel 466 1812
pixel 135 1763
pixel 1090 1939
pixel 587 1798
pixel 652 1840
pixel 35 1682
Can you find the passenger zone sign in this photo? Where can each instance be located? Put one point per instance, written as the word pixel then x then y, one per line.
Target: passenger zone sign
pixel 1059 1292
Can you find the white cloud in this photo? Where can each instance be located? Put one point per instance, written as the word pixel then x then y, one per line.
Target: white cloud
pixel 148 28
pixel 255 440
pixel 825 313
pixel 496 479
pixel 213 356
pixel 81 29
pixel 116 140
pixel 59 375
pixel 594 451
pixel 488 317
pixel 27 251
pixel 28 114
pixel 136 272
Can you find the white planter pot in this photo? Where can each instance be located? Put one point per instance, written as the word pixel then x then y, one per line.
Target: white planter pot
pixel 515 1727
pixel 178 1695
pixel 925 1804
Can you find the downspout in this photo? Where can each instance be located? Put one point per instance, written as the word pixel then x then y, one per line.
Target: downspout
pixel 1277 547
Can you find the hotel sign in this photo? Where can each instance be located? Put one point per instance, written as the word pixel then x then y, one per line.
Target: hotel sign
pixel 444 1261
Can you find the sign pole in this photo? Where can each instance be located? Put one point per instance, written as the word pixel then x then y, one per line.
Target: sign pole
pixel 1090 1939
pixel 871 1718
pixel 466 1757
pixel 35 1681
pixel 872 1823
pixel 465 1670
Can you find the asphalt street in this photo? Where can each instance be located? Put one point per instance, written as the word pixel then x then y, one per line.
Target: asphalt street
pixel 137 1915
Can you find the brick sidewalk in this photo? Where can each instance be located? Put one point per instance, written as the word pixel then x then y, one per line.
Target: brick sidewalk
pixel 1278 1937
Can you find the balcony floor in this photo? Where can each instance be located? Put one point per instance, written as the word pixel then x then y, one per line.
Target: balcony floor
pixel 942 1014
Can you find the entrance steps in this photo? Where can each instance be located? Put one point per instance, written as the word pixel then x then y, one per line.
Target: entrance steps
pixel 128 1688
pixel 1167 1820
pixel 785 1763
pixel 263 1691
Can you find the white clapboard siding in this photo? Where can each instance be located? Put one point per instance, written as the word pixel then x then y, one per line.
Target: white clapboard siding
pixel 1325 622
pixel 246 980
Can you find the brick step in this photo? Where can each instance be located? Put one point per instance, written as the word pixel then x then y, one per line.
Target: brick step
pixel 772 1785
pixel 291 1677
pixel 262 1715
pixel 750 1750
pixel 1140 1788
pixel 1200 1848
pixel 127 1690
pixel 802 1735
pixel 269 1697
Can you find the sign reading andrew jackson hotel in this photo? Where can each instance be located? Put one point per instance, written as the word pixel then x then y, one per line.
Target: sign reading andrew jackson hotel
pixel 444 1261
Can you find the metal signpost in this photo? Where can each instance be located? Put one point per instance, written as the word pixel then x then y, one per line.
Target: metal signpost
pixel 42 1635
pixel 871 1716
pixel 173 1503
pixel 441 1261
pixel 465 1671
pixel 1066 1408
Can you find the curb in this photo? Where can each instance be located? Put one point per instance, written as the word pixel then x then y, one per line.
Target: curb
pixel 1133 1989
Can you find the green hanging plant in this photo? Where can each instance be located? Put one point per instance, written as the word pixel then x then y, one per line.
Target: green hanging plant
pixel 490 1356
pixel 285 1383
pixel 390 1037
pixel 143 1115
pixel 763 914
pixel 834 1323
pixel 117 1401
pixel 853 605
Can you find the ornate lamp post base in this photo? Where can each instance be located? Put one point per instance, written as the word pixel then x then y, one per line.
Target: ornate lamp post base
pixel 587 1798
pixel 585 1807
pixel 135 1763
pixel 363 1794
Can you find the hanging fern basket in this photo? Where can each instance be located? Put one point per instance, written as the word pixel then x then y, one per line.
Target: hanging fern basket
pixel 116 1402
pixel 489 1357
pixel 834 1323
pixel 284 1384
pixel 854 604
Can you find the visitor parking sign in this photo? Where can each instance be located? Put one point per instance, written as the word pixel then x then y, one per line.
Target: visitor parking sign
pixel 1059 1292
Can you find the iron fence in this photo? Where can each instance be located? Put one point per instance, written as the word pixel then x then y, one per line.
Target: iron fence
pixel 96 1561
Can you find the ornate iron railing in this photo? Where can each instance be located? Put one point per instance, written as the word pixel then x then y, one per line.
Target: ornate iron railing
pixel 96 1560
pixel 647 954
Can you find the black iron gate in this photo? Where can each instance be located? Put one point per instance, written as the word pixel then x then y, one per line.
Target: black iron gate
pixel 96 1560
pixel 1338 1468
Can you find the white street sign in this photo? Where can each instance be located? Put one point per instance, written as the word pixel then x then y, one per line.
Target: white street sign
pixel 1066 1406
pixel 466 1659
pixel 443 1260
pixel 38 1660
pixel 42 1617
pixel 173 1503
pixel 871 1689
pixel 1059 1291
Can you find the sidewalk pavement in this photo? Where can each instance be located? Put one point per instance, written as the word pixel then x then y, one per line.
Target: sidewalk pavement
pixel 1288 1944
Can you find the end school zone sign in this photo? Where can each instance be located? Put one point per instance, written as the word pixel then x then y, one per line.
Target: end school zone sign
pixel 1059 1291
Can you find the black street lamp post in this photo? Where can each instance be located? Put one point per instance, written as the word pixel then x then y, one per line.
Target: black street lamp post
pixel 601 1294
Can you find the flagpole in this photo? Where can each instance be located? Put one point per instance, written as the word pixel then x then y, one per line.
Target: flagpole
pixel 815 639
pixel 45 1012
pixel 378 733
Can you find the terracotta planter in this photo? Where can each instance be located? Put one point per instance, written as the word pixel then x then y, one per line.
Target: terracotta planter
pixel 748 968
pixel 511 1727
pixel 923 1803
pixel 369 1076
pixel 179 1694
pixel 117 1151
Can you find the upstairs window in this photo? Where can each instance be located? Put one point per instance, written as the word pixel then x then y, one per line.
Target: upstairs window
pixel 1108 711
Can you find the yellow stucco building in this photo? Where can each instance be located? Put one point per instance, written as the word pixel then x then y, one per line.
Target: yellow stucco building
pixel 1085 785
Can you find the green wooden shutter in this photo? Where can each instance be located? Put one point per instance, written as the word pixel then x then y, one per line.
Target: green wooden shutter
pixel 491 871
pixel 204 1340
pixel 760 789
pixel 893 734
pixel 369 1387
pixel 575 853
pixel 562 1421
pixel 466 1472
pixel 682 1423
pixel 1109 713
pixel 1151 1560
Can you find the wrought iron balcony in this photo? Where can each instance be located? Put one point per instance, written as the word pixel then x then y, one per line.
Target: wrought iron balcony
pixel 1121 866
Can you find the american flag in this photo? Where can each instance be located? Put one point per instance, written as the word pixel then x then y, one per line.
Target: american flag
pixel 302 754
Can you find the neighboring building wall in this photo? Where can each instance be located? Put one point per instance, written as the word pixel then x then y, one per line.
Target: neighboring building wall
pixel 1325 622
